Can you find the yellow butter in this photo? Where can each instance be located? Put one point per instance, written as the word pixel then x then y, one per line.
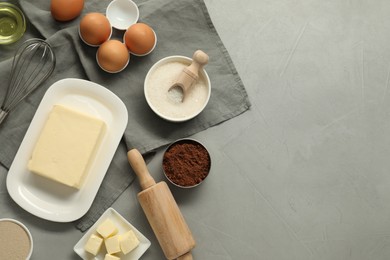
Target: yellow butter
pixel 112 244
pixel 107 228
pixel 111 257
pixel 93 244
pixel 128 242
pixel 67 146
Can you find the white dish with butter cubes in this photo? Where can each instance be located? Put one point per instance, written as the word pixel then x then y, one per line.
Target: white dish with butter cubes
pixel 122 227
pixel 48 198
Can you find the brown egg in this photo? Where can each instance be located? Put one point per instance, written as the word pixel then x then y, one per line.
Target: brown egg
pixel 112 56
pixel 95 29
pixel 140 39
pixel 66 10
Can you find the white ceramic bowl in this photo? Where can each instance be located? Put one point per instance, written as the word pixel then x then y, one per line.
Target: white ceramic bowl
pixel 122 13
pixel 25 229
pixel 155 105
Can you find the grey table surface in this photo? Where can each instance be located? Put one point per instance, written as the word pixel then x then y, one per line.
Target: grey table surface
pixel 305 173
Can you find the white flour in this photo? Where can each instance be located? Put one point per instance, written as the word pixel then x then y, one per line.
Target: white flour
pixel 157 91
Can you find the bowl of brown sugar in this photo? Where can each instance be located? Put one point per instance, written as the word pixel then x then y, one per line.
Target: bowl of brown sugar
pixel 186 163
pixel 15 240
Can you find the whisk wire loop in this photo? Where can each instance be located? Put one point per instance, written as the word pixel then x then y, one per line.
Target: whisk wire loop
pixel 17 77
pixel 34 61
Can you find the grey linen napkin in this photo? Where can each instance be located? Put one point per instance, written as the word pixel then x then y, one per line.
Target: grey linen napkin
pixel 181 28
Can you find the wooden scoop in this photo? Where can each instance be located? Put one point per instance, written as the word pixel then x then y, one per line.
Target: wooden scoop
pixel 189 75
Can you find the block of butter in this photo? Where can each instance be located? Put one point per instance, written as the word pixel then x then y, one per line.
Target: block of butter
pixel 128 242
pixel 112 244
pixel 111 257
pixel 93 244
pixel 67 146
pixel 107 228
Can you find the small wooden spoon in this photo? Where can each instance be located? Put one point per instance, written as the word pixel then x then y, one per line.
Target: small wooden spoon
pixel 189 75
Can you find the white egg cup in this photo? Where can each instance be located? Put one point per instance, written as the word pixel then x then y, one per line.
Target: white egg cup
pixel 122 13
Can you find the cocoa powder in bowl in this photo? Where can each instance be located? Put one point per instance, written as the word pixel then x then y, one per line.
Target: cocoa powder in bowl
pixel 186 163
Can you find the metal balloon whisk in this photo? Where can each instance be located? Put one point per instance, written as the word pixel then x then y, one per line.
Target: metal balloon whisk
pixel 33 63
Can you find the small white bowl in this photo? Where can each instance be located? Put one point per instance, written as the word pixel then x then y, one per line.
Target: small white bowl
pixel 21 225
pixel 123 225
pixel 153 104
pixel 122 13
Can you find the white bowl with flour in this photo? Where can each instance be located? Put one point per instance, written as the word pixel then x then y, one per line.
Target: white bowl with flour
pixel 160 78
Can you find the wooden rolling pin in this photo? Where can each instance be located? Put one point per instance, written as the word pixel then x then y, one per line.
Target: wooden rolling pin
pixel 162 212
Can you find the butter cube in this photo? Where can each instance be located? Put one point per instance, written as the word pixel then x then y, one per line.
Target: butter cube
pixel 111 257
pixel 107 228
pixel 67 146
pixel 93 244
pixel 128 242
pixel 112 244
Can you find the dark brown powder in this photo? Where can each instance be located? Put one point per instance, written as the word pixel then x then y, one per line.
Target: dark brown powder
pixel 186 163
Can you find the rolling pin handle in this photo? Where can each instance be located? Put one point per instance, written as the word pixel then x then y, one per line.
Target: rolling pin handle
pixel 137 162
